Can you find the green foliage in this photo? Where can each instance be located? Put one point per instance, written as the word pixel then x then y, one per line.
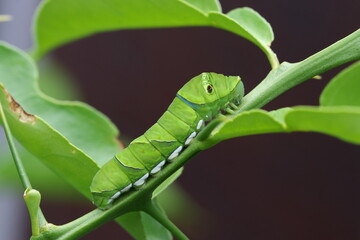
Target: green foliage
pixel 43 139
pixel 54 81
pixel 340 122
pixel 338 115
pixel 247 123
pixel 167 183
pixel 19 70
pixel 343 90
pixel 249 24
pixel 74 140
pixel 37 172
pixel 143 227
pixel 45 134
pixel 62 21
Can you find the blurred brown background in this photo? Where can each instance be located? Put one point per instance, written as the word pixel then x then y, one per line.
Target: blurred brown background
pixel 278 186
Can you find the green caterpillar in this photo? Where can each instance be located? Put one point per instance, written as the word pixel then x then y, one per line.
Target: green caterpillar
pixel 197 102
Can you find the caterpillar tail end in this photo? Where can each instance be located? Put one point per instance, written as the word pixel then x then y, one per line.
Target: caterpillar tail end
pixel 103 200
pixel 106 184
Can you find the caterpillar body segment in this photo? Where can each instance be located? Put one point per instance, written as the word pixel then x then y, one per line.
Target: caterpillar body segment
pixel 145 152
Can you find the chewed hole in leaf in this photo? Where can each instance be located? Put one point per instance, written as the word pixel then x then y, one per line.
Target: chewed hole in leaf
pixel 17 109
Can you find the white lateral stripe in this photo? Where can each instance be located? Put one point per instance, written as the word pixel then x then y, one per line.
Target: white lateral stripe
pixel 178 150
pixel 127 188
pixel 155 170
pixel 162 163
pixel 158 167
pixel 175 153
pixel 188 141
pixel 141 181
pixel 199 125
pixel 116 195
pixel 193 134
pixel 190 138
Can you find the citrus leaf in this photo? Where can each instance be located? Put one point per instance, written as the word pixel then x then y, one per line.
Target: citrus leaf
pixel 247 123
pixel 254 24
pixel 61 21
pixel 340 122
pixel 165 184
pixel 37 172
pixel 143 227
pixel 82 125
pixel 249 24
pixel 343 89
pixel 70 138
pixel 52 148
pixel 204 5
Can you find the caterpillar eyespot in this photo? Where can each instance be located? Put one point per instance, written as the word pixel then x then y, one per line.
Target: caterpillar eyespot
pixel 209 88
pixel 162 143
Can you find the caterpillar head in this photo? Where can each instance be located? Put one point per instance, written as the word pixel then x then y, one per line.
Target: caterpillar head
pixel 208 93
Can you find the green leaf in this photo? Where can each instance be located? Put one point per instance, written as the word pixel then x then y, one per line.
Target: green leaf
pixel 204 5
pixel 53 149
pixel 339 122
pixel 56 82
pixel 247 123
pixel 343 89
pixel 177 203
pixel 143 227
pixel 61 21
pixel 37 172
pixel 70 138
pixel 252 22
pixel 279 115
pixel 165 184
pixel 249 24
pixel 72 119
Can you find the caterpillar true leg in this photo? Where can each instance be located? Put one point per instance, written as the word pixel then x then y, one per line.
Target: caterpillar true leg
pixel 234 106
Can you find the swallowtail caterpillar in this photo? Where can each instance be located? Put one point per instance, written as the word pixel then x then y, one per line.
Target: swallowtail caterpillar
pixel 197 102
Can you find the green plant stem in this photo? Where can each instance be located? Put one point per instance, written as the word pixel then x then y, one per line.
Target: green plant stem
pixel 19 165
pixel 345 50
pixel 274 61
pixel 38 221
pixel 134 201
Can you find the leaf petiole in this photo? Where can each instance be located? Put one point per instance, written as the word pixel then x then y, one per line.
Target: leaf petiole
pixel 33 200
pixel 19 165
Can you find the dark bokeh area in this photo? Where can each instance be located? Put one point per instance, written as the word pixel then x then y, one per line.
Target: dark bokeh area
pixel 279 186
